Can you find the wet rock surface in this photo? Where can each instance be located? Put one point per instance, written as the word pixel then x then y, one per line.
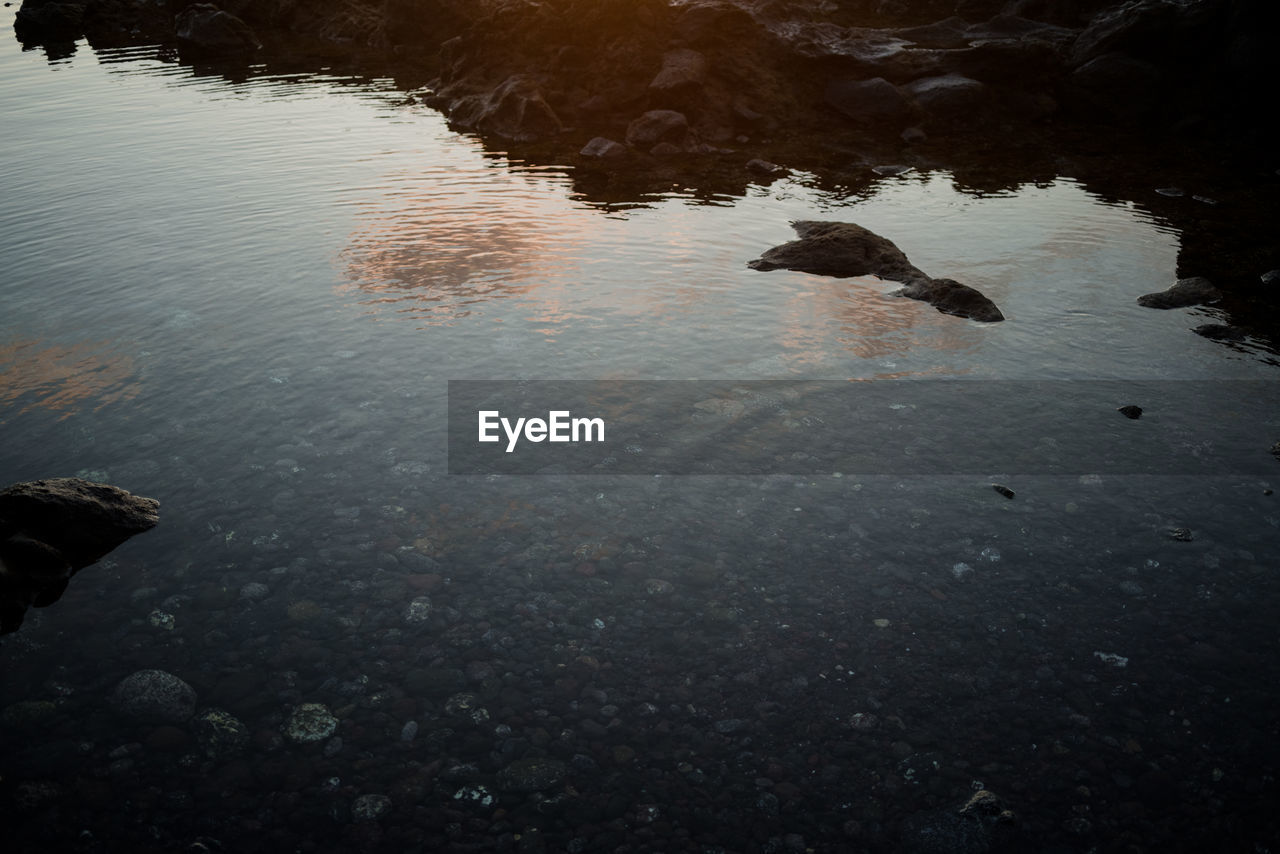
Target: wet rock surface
pixel 845 250
pixel 1195 290
pixel 51 529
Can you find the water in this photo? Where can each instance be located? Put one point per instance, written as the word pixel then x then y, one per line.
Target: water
pixel 246 297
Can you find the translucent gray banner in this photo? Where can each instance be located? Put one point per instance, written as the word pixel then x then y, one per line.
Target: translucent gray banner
pixel 900 427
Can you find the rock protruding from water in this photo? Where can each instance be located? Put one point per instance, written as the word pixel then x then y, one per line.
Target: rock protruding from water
pixel 843 249
pixel 1195 290
pixel 155 697
pixel 51 529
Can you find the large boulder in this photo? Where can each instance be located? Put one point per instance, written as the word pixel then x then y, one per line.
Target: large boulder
pixel 51 529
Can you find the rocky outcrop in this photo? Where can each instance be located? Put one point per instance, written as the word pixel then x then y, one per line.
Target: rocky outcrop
pixel 844 249
pixel 51 529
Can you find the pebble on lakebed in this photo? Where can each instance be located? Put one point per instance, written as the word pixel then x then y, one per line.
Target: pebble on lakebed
pixel 310 722
pixel 154 696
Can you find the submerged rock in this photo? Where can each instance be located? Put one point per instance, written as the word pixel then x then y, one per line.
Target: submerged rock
pixel 154 696
pixel 843 249
pixel 310 722
pixel 1130 411
pixel 51 529
pixel 981 825
pixel 1220 332
pixel 531 775
pixel 220 733
pixel 1196 290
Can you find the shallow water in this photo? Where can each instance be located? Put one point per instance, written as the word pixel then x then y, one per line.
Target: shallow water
pixel 246 299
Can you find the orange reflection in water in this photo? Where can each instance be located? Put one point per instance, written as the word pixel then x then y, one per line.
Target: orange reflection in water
pixel 438 249
pixel 62 378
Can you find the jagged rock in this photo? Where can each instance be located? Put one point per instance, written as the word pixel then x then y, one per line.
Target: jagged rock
pixel 51 529
pixel 1195 290
pixel 206 28
pixel 1130 411
pixel 657 126
pixel 844 249
pixel 515 110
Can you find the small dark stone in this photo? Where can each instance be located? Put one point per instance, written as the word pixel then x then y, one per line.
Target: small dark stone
pixel 1003 490
pixel 1131 411
pixel 1182 535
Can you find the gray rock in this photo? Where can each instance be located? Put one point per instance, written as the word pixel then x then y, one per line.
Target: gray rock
pixel 154 696
pixel 310 722
pixel 1196 290
pixel 844 249
pixel 657 126
pixel 209 29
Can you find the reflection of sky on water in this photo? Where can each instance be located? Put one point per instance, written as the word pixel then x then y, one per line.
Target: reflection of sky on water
pixel 63 378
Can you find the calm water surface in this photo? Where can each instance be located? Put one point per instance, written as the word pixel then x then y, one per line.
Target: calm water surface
pixel 245 298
